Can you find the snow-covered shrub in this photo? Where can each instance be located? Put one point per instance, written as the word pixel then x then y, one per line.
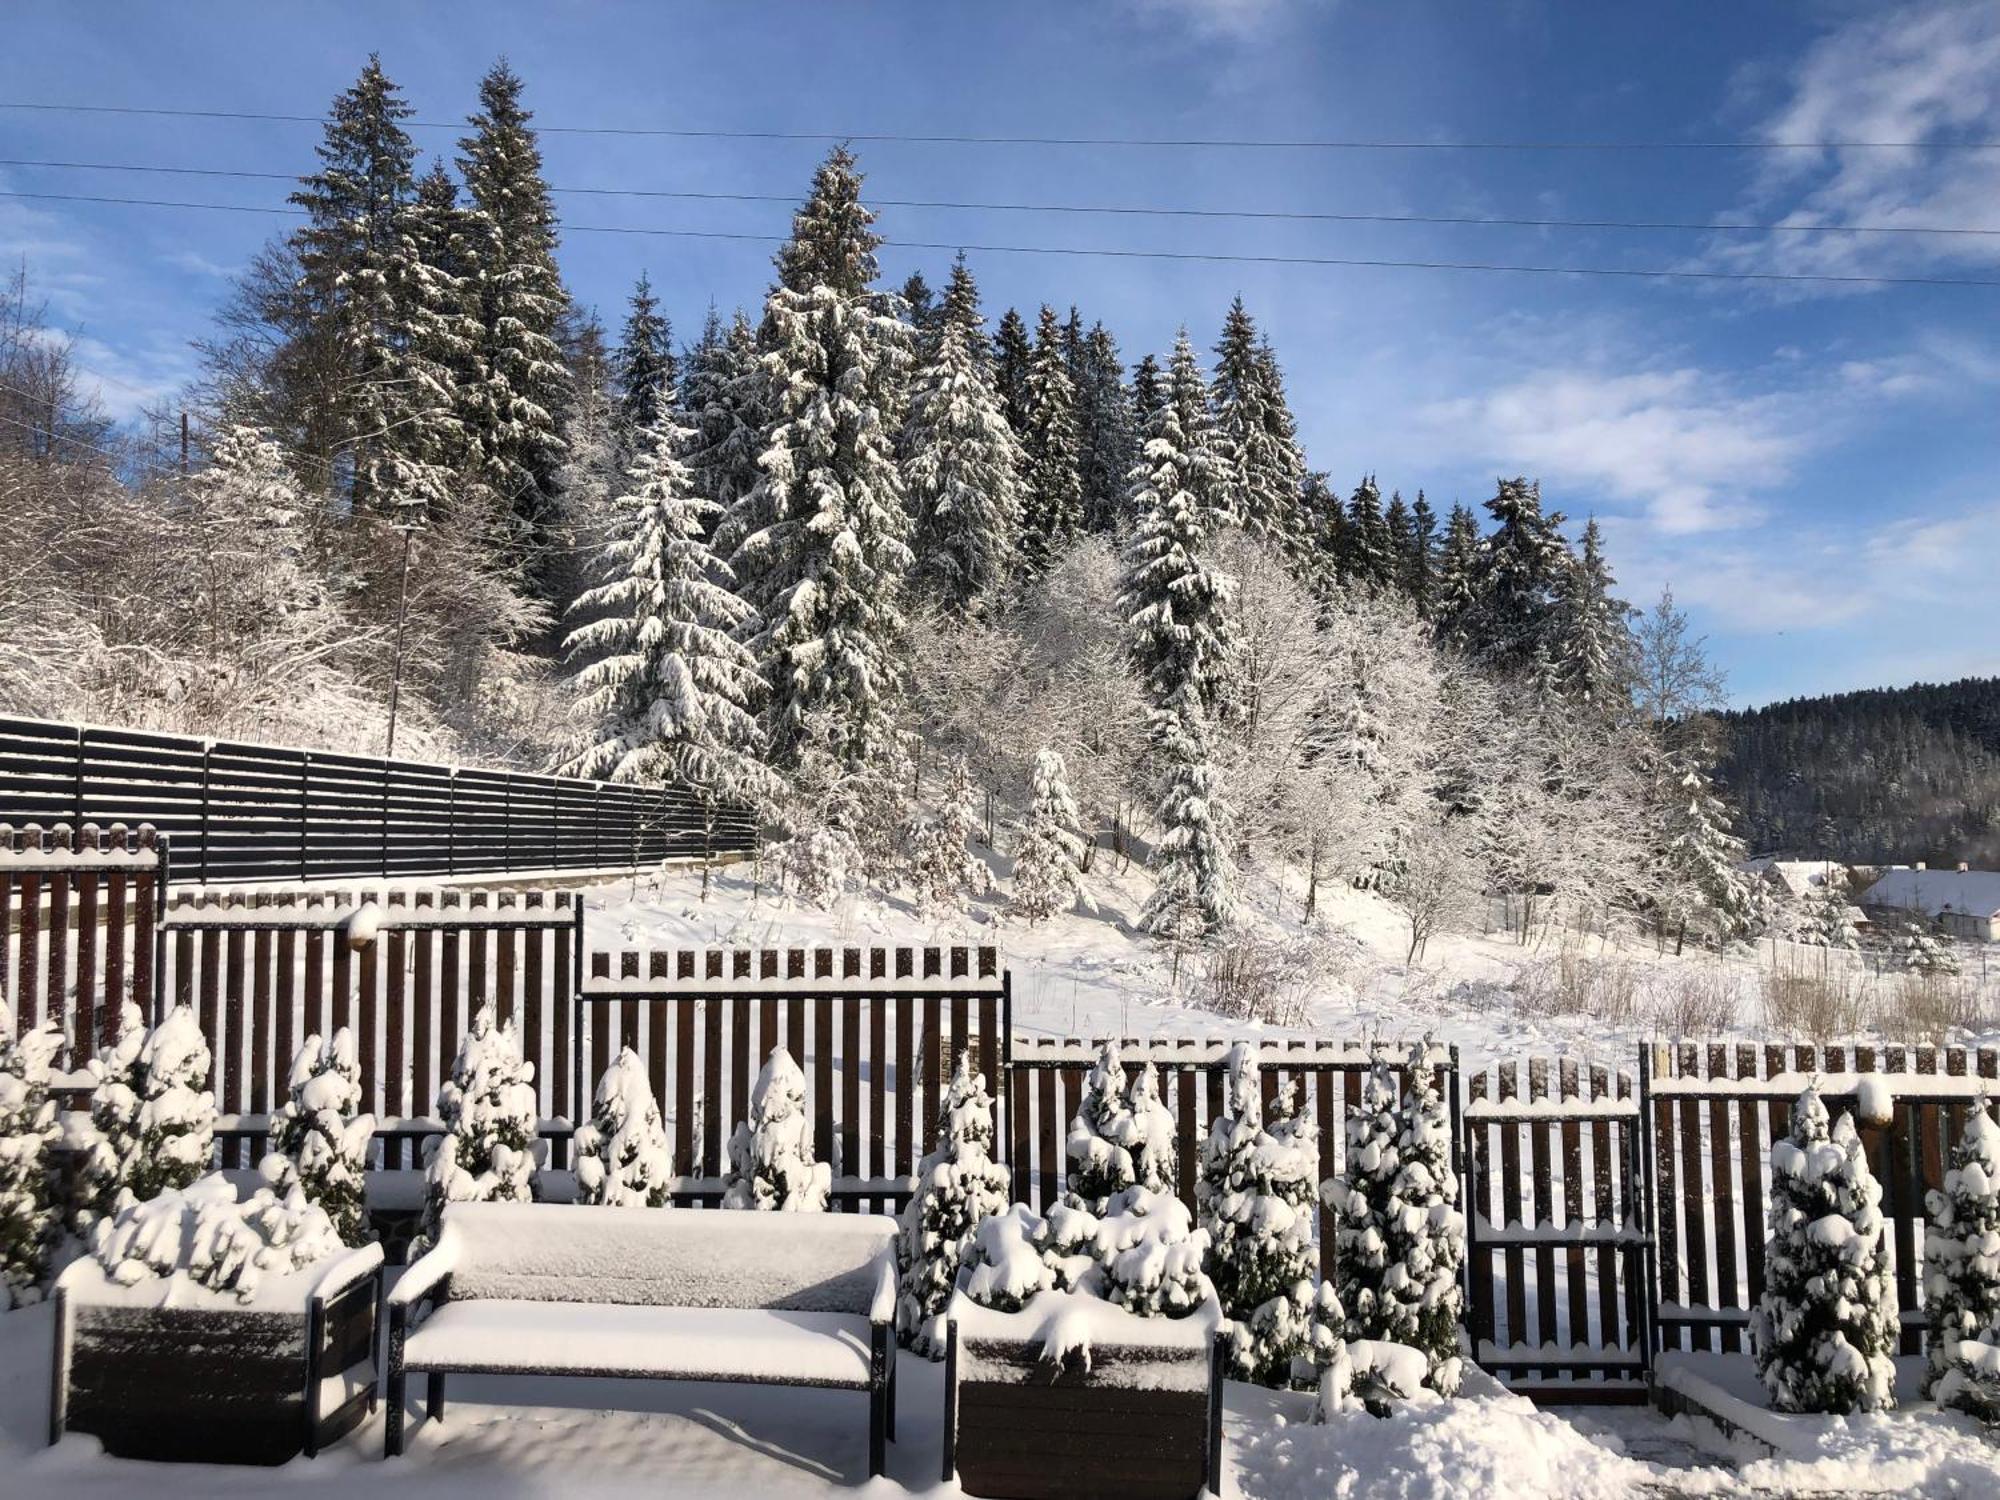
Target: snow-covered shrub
pixel 771 1162
pixel 1100 1165
pixel 204 1232
pixel 821 864
pixel 1255 1194
pixel 319 1140
pixel 1147 1133
pixel 622 1156
pixel 1962 1247
pixel 1152 1254
pixel 1048 863
pixel 1399 1239
pixel 959 1186
pixel 111 1145
pixel 488 1110
pixel 1326 1351
pixel 1972 1384
pixel 1255 977
pixel 1824 1331
pixel 29 1221
pixel 152 1121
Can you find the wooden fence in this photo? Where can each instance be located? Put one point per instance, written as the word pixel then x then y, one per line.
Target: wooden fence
pixel 264 971
pixel 1715 1110
pixel 77 926
pixel 875 1030
pixel 1045 1080
pixel 258 812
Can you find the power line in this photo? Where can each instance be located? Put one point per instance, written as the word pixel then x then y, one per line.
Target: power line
pixel 1158 142
pixel 1137 211
pixel 1204 257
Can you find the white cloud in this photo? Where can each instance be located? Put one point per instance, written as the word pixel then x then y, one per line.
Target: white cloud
pixel 1680 444
pixel 1231 18
pixel 1925 73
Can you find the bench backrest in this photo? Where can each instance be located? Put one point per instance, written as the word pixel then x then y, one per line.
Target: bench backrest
pixel 665 1257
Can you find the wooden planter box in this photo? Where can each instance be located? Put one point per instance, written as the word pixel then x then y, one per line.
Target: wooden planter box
pixel 1140 1418
pixel 169 1371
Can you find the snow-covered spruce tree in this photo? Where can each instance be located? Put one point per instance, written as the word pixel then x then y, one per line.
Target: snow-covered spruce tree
pixel 943 870
pixel 648 374
pixel 1048 862
pixel 1255 1196
pixel 1107 434
pixel 1099 1164
pixel 1594 646
pixel 1699 879
pixel 30 1222
pixel 1426 1232
pixel 1051 484
pixel 1517 580
pixel 1824 1331
pixel 175 1123
pixel 722 395
pixel 521 389
pixel 1367 558
pixel 1152 1255
pixel 1326 1351
pixel 320 1138
pixel 960 461
pixel 1146 1131
pixel 1013 350
pixel 1920 949
pixel 1256 430
pixel 488 1110
pixel 1176 605
pixel 1962 1247
pixel 108 1157
pixel 1194 896
pixel 622 1156
pixel 821 545
pixel 1825 919
pixel 667 689
pixel 771 1163
pixel 1456 594
pixel 958 1185
pixel 1360 1200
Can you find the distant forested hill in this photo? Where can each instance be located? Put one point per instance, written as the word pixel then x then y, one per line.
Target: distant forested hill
pixel 1890 774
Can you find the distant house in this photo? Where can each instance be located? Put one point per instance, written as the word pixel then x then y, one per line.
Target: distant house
pixel 1965 903
pixel 1795 877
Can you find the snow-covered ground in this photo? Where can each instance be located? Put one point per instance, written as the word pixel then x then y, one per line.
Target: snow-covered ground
pixel 1089 973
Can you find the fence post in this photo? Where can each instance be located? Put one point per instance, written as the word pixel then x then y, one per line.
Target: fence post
pixel 206 750
pixel 387 764
pixel 1006 1061
pixel 1466 1206
pixel 157 999
pixel 579 1102
pixel 1648 1212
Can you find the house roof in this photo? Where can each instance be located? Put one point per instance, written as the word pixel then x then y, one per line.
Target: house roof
pixel 1966 892
pixel 1798 875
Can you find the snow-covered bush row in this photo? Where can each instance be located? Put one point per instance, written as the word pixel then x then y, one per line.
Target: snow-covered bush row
pixel 1962 1274
pixel 204 1232
pixel 1121 1136
pixel 487 1105
pixel 320 1139
pixel 152 1118
pixel 771 1164
pixel 30 1223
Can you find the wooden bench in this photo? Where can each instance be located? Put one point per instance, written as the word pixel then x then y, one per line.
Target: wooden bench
pixel 652 1293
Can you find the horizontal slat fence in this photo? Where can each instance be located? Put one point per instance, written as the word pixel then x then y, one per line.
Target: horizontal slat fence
pixel 876 1031
pixel 245 812
pixel 77 908
pixel 1045 1085
pixel 1715 1110
pixel 1556 1229
pixel 264 971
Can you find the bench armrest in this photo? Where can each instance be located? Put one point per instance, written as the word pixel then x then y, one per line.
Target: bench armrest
pixel 432 1267
pixel 882 1307
pixel 347 1271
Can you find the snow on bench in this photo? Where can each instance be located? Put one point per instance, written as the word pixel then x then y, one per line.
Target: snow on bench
pixel 651 1293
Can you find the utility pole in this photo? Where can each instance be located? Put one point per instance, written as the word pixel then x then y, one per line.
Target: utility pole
pixel 409 530
pixel 184 442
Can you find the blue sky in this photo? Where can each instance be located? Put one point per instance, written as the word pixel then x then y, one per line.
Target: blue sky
pixel 1810 467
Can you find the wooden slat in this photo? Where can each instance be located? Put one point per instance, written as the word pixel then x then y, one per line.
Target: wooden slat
pixel 262 1064
pixel 84 1027
pixel 1511 1207
pixel 1666 1231
pixel 719 1118
pixel 1601 1207
pixel 563 1003
pixel 906 1065
pixel 117 933
pixel 395 1057
pixel 56 1004
pixel 850 1083
pixel 424 998
pixel 146 898
pixel 367 1007
pixel 285 1040
pixel 1574 1275
pixel 533 1045
pixel 1722 1196
pixel 1696 1232
pixel 684 1136
pixel 1545 1255
pixel 27 988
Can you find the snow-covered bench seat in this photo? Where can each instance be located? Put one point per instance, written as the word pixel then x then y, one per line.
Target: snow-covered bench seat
pixel 651 1293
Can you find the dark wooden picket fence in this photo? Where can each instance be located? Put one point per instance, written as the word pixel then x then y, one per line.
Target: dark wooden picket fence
pixel 875 1030
pixel 246 812
pixel 77 910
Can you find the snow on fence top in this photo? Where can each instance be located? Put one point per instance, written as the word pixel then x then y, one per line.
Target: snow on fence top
pixel 60 847
pixel 381 908
pixel 1789 1086
pixel 1187 1052
pixel 864 971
